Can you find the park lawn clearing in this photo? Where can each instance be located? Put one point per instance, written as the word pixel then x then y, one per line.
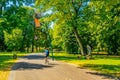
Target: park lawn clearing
pixel 102 63
pixel 6 63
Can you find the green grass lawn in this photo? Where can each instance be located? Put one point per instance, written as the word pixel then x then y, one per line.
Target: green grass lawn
pixel 101 63
pixel 6 62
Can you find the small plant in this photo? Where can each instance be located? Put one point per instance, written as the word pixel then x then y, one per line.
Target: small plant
pixel 14 56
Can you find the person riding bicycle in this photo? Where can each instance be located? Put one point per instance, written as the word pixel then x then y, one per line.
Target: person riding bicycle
pixel 46 55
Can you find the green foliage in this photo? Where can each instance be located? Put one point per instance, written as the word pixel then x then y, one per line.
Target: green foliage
pixel 104 24
pixel 2 45
pixel 14 40
pixel 69 41
pixel 17 15
pixel 96 23
pixel 57 36
pixel 63 17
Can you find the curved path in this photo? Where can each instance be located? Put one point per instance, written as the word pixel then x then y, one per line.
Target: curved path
pixel 33 67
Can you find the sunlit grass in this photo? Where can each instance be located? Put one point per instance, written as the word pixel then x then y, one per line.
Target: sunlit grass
pixel 102 63
pixel 6 63
pixel 4 75
pixel 5 69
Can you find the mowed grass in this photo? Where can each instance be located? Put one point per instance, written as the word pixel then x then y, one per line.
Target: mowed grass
pixel 6 62
pixel 102 63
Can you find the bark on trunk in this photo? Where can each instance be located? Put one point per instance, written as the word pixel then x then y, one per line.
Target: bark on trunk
pixel 33 39
pixel 79 40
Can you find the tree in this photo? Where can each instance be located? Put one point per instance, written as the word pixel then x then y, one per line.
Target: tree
pixel 66 12
pixel 13 41
pixel 17 15
pixel 104 23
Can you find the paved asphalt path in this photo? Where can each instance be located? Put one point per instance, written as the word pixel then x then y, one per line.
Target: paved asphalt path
pixel 33 67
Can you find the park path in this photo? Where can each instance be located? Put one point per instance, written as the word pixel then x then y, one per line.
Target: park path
pixel 33 67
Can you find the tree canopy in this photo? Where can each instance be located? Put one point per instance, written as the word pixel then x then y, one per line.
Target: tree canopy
pixel 75 24
pixel 93 22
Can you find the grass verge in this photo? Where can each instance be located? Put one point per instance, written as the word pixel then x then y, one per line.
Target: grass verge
pixel 102 63
pixel 6 62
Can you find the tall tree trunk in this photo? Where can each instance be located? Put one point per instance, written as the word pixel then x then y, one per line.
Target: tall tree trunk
pixel 79 40
pixel 33 45
pixel 33 39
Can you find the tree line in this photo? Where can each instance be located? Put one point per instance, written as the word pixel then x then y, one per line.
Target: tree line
pixel 76 23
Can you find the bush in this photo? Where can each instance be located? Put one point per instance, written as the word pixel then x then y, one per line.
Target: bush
pixel 14 40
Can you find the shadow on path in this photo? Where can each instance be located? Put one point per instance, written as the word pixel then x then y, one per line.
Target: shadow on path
pixel 26 66
pixel 23 65
pixel 106 76
pixel 113 68
pixel 34 57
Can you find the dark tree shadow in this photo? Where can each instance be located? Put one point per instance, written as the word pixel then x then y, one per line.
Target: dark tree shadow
pixel 66 58
pixel 4 67
pixel 27 66
pixel 105 76
pixel 102 67
pixel 34 57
